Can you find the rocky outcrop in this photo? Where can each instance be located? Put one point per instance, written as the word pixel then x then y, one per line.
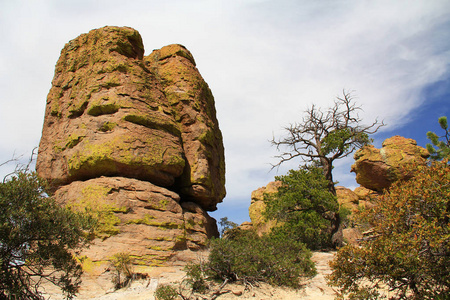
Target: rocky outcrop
pixel 376 169
pixel 135 141
pixel 257 208
pixel 193 109
pixel 138 217
pixel 113 112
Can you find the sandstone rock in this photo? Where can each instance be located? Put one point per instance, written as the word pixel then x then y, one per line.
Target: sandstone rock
pixel 139 218
pixel 135 142
pixel 377 169
pixel 113 112
pixel 193 108
pixel 257 207
pixel 107 115
pixel 347 198
pixel 352 235
pixel 246 226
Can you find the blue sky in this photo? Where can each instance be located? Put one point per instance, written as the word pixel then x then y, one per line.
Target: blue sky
pixel 265 62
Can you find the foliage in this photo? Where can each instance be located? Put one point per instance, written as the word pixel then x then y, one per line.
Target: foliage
pixel 38 239
pixel 225 225
pixel 304 208
pixel 166 292
pixel 326 136
pixel 196 277
pixel 250 258
pixel 122 264
pixel 409 247
pixel 443 147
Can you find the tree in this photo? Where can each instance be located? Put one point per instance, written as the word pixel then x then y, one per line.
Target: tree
pixel 39 239
pixel 305 209
pixel 443 147
pixel 408 249
pixel 326 136
pixel 225 225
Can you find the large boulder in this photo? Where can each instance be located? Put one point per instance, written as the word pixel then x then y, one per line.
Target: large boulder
pixel 193 109
pixel 376 169
pixel 106 114
pixel 139 218
pixel 258 207
pixel 135 142
pixel 113 112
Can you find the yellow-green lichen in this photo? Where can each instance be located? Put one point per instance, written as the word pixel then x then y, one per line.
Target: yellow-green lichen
pixel 73 140
pixel 103 109
pixel 103 158
pixel 207 137
pixel 55 109
pixel 163 204
pixel 77 109
pixel 153 123
pixel 107 126
pixel 88 265
pixel 93 201
pixel 149 260
pixel 145 220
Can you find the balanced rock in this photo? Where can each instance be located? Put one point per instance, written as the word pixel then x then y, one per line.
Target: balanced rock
pixel 134 141
pixel 113 112
pixel 376 169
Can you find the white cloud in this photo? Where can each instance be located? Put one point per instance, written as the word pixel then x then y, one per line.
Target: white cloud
pixel 265 62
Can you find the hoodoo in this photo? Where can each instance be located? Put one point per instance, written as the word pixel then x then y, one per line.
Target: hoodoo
pixel 135 140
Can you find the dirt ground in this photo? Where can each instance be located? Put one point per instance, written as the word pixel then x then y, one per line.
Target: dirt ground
pixel 101 287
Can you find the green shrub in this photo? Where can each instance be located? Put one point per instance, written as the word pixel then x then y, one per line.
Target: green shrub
pixel 408 247
pixel 272 259
pixel 196 277
pixel 39 239
pixel 166 292
pixel 305 209
pixel 122 264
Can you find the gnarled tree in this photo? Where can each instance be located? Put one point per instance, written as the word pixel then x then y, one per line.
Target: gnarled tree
pixel 324 136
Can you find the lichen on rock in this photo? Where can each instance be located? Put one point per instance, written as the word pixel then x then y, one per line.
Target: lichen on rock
pixel 150 118
pixel 135 141
pixel 376 169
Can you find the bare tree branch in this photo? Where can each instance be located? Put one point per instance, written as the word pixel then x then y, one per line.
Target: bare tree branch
pixel 325 136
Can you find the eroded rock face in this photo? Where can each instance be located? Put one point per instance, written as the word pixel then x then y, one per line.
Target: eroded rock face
pixel 106 114
pixel 376 169
pixel 135 141
pixel 139 218
pixel 257 207
pixel 193 109
pixel 113 112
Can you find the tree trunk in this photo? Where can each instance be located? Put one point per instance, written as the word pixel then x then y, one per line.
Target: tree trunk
pixel 327 168
pixel 337 237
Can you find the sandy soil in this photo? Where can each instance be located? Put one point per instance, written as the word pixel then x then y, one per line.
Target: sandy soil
pixel 101 287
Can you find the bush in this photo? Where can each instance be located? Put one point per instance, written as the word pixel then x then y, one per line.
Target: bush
pixel 122 264
pixel 408 249
pixel 196 277
pixel 272 259
pixel 305 209
pixel 166 292
pixel 39 239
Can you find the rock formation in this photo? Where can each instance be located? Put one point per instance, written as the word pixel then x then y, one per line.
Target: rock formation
pixel 134 139
pixel 257 208
pixel 376 169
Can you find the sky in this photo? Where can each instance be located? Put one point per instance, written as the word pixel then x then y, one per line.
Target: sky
pixel 266 62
